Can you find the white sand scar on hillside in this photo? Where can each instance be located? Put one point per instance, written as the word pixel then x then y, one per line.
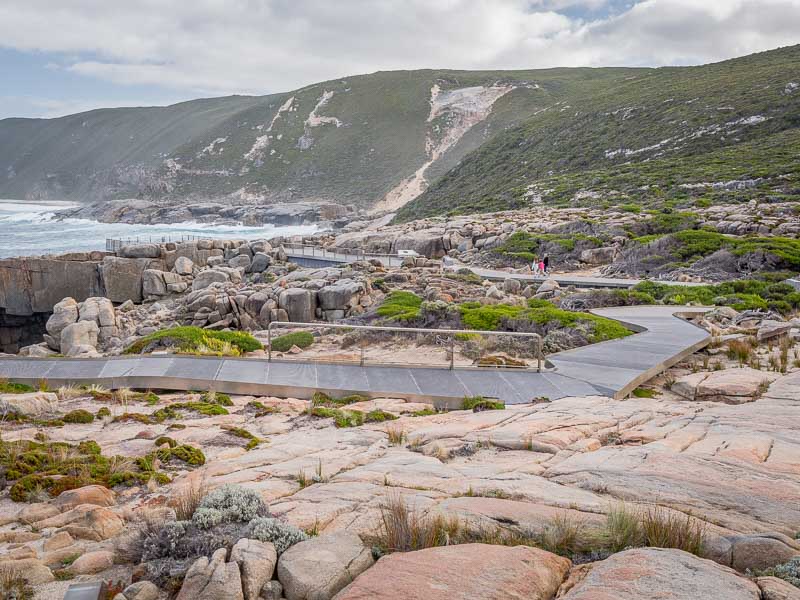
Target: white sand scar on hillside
pixel 315 120
pixel 262 141
pixel 212 147
pixel 462 109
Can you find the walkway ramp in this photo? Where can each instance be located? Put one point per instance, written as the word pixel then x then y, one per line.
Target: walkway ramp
pixel 611 368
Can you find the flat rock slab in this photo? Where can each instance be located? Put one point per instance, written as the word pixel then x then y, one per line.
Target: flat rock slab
pixel 320 567
pixel 463 572
pixel 732 386
pixel 661 573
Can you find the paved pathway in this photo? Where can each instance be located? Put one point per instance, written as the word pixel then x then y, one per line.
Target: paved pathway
pixel 611 368
pixel 313 256
pixel 563 279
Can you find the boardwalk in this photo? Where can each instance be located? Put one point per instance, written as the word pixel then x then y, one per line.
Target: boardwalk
pixel 611 368
pixel 563 279
pixel 313 256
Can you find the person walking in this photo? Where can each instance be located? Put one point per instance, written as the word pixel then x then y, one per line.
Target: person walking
pixel 535 266
pixel 542 268
pixel 546 262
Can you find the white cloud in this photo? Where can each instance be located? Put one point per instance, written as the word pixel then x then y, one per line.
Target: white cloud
pixel 261 46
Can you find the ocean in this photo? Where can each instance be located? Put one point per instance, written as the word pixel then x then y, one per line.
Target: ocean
pixel 30 228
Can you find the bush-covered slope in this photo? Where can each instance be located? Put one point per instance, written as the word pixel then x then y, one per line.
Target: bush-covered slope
pixel 484 140
pixel 351 140
pixel 644 138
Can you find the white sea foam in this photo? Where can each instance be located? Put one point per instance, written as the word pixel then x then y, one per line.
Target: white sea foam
pixel 34 228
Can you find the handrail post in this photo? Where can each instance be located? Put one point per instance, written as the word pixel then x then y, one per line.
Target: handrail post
pixel 362 354
pixel 269 342
pixel 452 351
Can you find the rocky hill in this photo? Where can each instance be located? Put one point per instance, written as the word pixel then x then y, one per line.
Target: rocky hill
pixel 476 141
pixel 720 132
pixel 364 140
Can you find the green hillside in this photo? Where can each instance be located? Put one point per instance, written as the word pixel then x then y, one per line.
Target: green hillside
pixel 372 133
pixel 646 139
pixel 482 140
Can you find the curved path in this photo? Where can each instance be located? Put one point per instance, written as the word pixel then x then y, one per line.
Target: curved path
pixel 314 256
pixel 611 368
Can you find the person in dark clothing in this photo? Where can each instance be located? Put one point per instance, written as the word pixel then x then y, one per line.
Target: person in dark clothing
pixel 546 261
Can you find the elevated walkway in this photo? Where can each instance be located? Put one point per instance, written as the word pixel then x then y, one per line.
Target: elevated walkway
pixel 611 368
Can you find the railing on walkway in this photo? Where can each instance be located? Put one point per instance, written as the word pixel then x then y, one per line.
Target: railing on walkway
pixel 343 255
pixel 451 335
pixel 114 244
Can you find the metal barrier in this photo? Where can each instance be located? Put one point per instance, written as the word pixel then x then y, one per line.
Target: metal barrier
pixel 114 244
pixel 343 255
pixel 452 333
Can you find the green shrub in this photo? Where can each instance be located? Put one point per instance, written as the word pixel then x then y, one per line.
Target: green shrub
pixel 212 397
pixel 9 387
pixel 400 306
pixel 78 416
pixel 281 535
pixel 745 294
pixel 284 343
pixel 379 416
pixel 323 399
pixel 235 503
pixel 479 403
pixel 342 418
pixel 194 340
pixel 493 317
pixel 186 453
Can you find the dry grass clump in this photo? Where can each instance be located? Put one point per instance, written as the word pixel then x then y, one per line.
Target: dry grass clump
pixel 741 351
pixel 396 436
pixel 654 526
pixel 186 500
pixel 13 585
pixel 403 529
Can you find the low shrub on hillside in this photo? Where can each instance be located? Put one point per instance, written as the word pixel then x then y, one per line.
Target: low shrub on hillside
pixel 8 387
pixel 39 469
pixel 194 340
pixel 527 246
pixel 400 306
pixel 284 343
pixel 743 294
pixel 496 317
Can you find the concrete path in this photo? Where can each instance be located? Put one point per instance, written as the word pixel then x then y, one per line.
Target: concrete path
pixel 612 368
pixel 563 279
pixel 313 256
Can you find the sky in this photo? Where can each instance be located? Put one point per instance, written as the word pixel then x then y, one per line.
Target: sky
pixel 64 56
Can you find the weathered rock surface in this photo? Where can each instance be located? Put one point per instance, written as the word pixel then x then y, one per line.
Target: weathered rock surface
pixel 753 552
pixel 97 495
pixel 92 562
pixel 64 313
pixel 256 561
pixel 318 568
pixel 300 304
pixel 773 588
pixel 77 337
pixel 674 574
pixel 732 386
pixel 32 404
pixel 141 590
pixel 212 579
pixel 474 571
pixel 33 571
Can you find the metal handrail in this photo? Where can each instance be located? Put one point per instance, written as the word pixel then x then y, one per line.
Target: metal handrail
pixel 114 244
pixel 341 251
pixel 451 332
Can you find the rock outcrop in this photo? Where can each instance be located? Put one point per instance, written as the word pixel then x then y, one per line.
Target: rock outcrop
pixel 475 571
